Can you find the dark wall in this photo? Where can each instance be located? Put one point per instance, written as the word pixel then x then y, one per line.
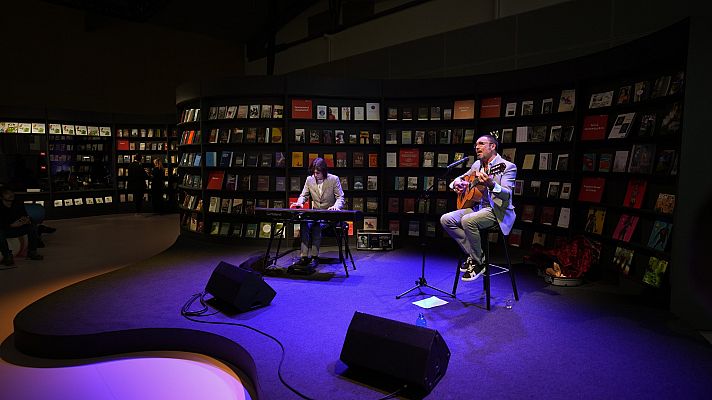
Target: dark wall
pixel 58 57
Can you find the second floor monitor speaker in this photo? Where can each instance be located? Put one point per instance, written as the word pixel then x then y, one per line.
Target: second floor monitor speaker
pixel 241 288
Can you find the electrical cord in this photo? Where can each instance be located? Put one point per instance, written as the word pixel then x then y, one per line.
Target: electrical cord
pixel 202 312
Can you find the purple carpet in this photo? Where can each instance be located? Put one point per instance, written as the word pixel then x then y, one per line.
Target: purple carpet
pixel 587 342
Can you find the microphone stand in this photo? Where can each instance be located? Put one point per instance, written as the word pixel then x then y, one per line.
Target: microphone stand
pixel 421 281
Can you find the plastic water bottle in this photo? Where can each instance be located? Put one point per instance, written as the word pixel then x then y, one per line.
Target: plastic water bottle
pixel 420 321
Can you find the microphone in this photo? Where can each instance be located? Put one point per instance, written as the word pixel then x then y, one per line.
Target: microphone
pixel 458 162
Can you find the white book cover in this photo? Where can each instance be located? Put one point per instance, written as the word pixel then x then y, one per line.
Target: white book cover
pixel 80 130
pixel 104 131
pixel 24 127
pixel 58 203
pixel 68 202
pixel 522 134
pixel 567 101
pixel 11 127
pixel 544 161
pixel 38 127
pixel 93 130
pixel 391 160
pixel 621 127
pixel 359 113
pixel 510 110
pixel 3 127
pixel 320 112
pixel 89 200
pixel 108 199
pixel 373 111
pixel 67 129
pixel 528 107
pixel 564 217
pixel 99 200
pixel 603 99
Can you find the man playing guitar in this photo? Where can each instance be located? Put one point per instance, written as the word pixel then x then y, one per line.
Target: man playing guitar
pixel 491 177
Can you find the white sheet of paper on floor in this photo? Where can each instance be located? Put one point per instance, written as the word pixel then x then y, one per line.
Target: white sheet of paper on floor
pixel 430 302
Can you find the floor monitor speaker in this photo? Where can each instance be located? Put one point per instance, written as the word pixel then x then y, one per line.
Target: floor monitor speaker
pixel 239 287
pixel 411 354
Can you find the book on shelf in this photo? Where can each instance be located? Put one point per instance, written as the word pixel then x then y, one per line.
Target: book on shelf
pixel 373 160
pixel 435 113
pixel 592 189
pixel 409 205
pixel 373 111
pixel 537 134
pixel 588 162
pixel 665 203
pixel 602 99
pixel 215 180
pixel 276 134
pixel 265 160
pixel 625 227
pixel 358 182
pixel 528 211
pixel 280 184
pixel 329 160
pixel 647 124
pixel 655 271
pixel 359 113
pixel 263 183
pixel 620 161
pixel 370 223
pixel 677 83
pixel 464 109
pixel 671 122
pixel 623 259
pixel 515 237
pixel 544 161
pixel 604 162
pixel 523 134
pixel 251 159
pixel 301 109
pixel 547 106
pixel 321 111
pixel 225 158
pixel 641 160
pixel 547 215
pixel 528 162
pixel 510 110
pixel 664 162
pixel 371 204
pixel 344 182
pixel 277 111
pixel 469 136
pixel 567 100
pixel 443 160
pixel 372 182
pixel 394 227
pixel 594 127
pixel 297 159
pixel 280 161
pixel 444 136
pixel 539 238
pixel 562 162
pixel 231 181
pixel 399 183
pixel 447 113
pixel 624 94
pixel 594 220
pixel 412 183
pixel 534 188
pixel 311 157
pixel 553 190
pixel 661 86
pixel 565 191
pixel 391 159
pixel 414 228
pixel 528 107
pixel 659 235
pixel 409 158
pixel 392 113
pixel 490 107
pixel 266 111
pixel 345 113
pixel 245 182
pixel 634 193
pixel 564 217
pixel 393 204
pixel 622 125
pixel 253 111
pixel 518 187
pixel 641 91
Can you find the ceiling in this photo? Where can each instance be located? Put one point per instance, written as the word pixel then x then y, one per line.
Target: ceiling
pixel 247 22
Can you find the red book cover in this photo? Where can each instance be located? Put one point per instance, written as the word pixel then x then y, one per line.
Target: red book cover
pixel 409 158
pixel 592 189
pixel 634 193
pixel 393 204
pixel 464 109
pixel 491 107
pixel 301 109
pixel 122 145
pixel 294 199
pixel 215 180
pixel 594 127
pixel 409 205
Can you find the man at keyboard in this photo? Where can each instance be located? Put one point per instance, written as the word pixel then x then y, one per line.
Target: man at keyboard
pixel 325 192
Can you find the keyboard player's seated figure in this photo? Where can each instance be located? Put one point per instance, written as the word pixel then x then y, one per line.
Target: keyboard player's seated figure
pixel 324 192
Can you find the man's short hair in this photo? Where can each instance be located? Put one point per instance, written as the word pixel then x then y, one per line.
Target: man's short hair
pixel 319 164
pixel 491 138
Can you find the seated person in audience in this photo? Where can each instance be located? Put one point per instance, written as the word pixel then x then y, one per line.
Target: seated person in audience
pixel 324 190
pixel 14 222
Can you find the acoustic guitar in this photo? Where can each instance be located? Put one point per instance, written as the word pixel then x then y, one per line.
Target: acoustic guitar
pixel 473 193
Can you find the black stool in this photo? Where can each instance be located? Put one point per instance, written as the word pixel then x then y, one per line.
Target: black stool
pixel 486 260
